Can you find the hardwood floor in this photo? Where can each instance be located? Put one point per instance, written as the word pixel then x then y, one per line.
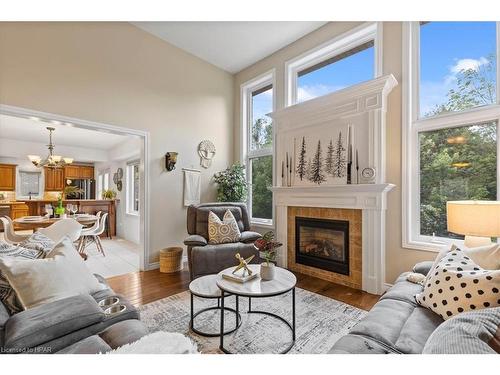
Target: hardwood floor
pixel 147 286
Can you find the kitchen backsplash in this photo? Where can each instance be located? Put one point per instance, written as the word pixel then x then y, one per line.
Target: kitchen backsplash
pixel 8 195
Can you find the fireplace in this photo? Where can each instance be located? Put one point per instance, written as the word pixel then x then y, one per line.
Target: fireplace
pixel 322 243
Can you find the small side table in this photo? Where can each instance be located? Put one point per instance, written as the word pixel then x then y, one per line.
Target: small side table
pixel 206 287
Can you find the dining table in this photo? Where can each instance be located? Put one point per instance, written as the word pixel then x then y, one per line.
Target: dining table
pixel 35 222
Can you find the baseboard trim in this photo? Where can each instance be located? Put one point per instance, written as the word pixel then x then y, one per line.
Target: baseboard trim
pixel 156 265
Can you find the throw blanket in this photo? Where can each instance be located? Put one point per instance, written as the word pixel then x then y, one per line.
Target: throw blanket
pixel 159 343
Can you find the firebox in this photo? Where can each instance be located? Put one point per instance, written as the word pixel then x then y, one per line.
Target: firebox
pixel 322 243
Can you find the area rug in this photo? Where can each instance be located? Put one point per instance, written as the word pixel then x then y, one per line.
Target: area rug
pixel 320 322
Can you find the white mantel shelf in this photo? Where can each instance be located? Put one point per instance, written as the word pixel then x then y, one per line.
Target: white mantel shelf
pixel 352 188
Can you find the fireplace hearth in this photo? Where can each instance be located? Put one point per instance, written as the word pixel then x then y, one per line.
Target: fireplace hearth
pixel 322 243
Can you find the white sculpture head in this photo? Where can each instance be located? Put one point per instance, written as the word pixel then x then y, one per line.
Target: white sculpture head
pixel 206 150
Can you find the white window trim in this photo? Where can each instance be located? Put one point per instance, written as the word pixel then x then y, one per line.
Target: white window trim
pixel 246 89
pixel 40 184
pixel 342 43
pixel 412 125
pixel 129 193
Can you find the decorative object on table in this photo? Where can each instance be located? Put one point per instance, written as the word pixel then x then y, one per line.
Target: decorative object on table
pixel 108 194
pixel 368 175
pixel 477 220
pixel 357 167
pixel 59 210
pixel 192 186
pixel 232 184
pixel 349 154
pixel 267 250
pixel 206 150
pixel 170 160
pixel 241 273
pixel 51 161
pixel 243 264
pixel 171 259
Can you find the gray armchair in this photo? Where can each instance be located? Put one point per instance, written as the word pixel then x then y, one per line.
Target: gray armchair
pixel 207 259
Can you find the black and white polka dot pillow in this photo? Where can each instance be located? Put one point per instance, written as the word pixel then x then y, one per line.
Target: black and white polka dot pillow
pixel 456 284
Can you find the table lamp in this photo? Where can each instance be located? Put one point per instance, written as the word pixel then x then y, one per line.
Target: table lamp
pixel 477 220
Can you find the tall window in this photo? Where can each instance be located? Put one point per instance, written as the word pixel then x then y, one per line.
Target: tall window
pixel 258 101
pixel 29 184
pixel 102 183
pixel 133 188
pixel 452 116
pixel 347 60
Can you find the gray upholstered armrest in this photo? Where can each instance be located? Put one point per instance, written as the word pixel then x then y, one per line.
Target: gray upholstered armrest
pixel 44 323
pixel 423 267
pixel 249 236
pixel 195 240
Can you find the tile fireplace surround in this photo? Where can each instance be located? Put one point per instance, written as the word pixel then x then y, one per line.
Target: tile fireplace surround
pixel 363 106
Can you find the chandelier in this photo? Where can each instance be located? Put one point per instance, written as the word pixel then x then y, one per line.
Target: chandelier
pixel 51 161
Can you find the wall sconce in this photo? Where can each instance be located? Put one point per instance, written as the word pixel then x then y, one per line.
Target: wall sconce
pixel 170 160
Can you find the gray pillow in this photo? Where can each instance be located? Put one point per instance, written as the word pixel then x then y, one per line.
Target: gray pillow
pixel 467 333
pixel 8 295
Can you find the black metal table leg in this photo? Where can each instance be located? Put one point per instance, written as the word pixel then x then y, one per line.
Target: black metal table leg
pixel 191 322
pixel 293 313
pixel 249 304
pixel 221 346
pixel 237 311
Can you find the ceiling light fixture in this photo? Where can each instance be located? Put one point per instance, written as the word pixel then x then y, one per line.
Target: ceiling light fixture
pixel 51 161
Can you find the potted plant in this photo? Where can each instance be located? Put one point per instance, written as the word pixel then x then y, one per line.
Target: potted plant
pixel 232 183
pixel 267 251
pixel 108 194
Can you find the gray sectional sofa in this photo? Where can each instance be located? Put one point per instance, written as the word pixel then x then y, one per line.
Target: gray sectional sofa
pixel 72 325
pixel 396 324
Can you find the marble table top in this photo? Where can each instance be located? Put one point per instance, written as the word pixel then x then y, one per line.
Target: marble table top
pixel 283 281
pixel 205 286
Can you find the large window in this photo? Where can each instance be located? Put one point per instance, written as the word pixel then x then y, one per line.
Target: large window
pixel 133 188
pixel 102 183
pixel 258 128
pixel 347 60
pixel 451 124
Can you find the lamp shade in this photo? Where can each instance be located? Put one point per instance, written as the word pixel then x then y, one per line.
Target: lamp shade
pixel 474 218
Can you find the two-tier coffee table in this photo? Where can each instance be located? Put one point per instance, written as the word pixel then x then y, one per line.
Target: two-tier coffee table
pixel 283 282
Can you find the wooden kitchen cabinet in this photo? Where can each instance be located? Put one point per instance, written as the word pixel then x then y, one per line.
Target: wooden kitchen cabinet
pixel 78 172
pixel 8 177
pixel 18 210
pixel 54 179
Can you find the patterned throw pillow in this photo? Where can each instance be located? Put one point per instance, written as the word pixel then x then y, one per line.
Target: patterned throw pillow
pixel 456 284
pixel 7 295
pixel 38 241
pixel 225 231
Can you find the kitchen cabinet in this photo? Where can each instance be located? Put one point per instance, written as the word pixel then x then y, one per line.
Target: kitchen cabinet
pixel 54 179
pixel 78 172
pixel 18 210
pixel 8 177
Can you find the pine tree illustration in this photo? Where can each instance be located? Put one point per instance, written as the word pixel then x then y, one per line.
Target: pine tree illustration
pixel 329 159
pixel 317 175
pixel 339 161
pixel 301 165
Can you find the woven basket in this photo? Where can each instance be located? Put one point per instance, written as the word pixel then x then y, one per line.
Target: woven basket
pixel 171 259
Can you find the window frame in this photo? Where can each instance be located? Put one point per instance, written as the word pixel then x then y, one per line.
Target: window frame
pixel 40 184
pixel 368 31
pixel 246 154
pixel 130 188
pixel 413 124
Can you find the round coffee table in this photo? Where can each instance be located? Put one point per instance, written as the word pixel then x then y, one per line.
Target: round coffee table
pixel 283 282
pixel 206 287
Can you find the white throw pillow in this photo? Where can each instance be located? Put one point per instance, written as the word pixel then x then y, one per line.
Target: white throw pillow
pixel 61 274
pixel 457 284
pixel 487 257
pixel 225 231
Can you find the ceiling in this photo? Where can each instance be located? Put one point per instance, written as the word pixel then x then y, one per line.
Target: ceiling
pixel 231 46
pixel 67 135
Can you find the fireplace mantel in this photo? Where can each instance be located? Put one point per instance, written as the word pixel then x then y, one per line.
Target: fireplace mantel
pixel 363 107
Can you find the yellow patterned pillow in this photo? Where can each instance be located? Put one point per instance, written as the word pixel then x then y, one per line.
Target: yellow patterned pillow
pixel 225 231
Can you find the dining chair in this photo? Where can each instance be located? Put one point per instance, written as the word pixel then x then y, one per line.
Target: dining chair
pixel 94 236
pixel 61 228
pixel 94 226
pixel 10 235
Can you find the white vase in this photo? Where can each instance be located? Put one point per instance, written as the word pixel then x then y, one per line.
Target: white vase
pixel 267 271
